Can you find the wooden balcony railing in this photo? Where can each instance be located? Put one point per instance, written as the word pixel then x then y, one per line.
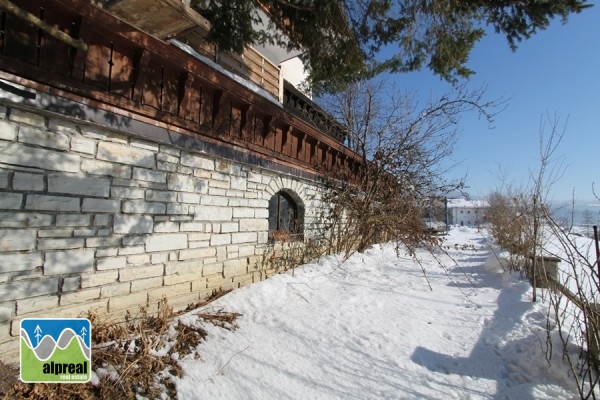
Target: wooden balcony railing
pixel 122 69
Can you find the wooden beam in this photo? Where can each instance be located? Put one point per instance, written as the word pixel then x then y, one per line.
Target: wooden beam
pixel 38 23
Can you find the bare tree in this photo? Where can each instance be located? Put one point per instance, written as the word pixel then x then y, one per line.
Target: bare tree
pixel 403 147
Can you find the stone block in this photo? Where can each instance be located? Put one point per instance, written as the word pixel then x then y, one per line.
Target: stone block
pixel 83 145
pixel 71 284
pixel 54 233
pixel 138 259
pixel 149 175
pixel 115 289
pixel 17 239
pixel 183 276
pixel 261 213
pixel 126 193
pixel 111 263
pixel 169 158
pixel 244 237
pixel 33 304
pixel 106 252
pixel 161 195
pixel 254 225
pixel 29 182
pixel 80 296
pixel 165 166
pixel 132 224
pixel 126 251
pixel 238 183
pixel 85 232
pixel 17 219
pixel 199 253
pixel 228 227
pixel 177 209
pixel 8 131
pixel 191 198
pixel 244 280
pixel 99 278
pixel 68 262
pixel 25 288
pixel 166 227
pixel 144 144
pixel 38 137
pixel 212 269
pixel 245 251
pixel 18 154
pixel 184 183
pixel 146 283
pixel 73 220
pixel 39 202
pixel 213 213
pixel 78 185
pixel 133 240
pixel 133 273
pixel 166 241
pixel 143 207
pixel 124 154
pixel 218 184
pixel 105 168
pixel 101 205
pixel 195 161
pixel 7 311
pixel 4 178
pixel 11 201
pixel 101 220
pixel 159 258
pixel 27 117
pixel 60 244
pixel 257 203
pixel 243 212
pixel 235 268
pixel 237 203
pixel 192 227
pixel 220 239
pixel 102 241
pixel 16 262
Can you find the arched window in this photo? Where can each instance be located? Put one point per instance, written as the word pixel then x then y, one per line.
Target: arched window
pixel 285 217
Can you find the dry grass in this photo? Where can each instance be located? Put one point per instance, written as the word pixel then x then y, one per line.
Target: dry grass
pixel 134 357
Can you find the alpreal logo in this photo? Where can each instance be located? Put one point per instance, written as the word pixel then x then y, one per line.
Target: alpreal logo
pixel 55 350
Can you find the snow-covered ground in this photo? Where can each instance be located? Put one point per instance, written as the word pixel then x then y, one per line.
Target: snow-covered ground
pixel 374 327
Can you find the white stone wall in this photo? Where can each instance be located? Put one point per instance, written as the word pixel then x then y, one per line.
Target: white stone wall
pixel 97 219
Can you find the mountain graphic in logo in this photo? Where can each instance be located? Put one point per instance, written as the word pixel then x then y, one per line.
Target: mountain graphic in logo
pixel 56 350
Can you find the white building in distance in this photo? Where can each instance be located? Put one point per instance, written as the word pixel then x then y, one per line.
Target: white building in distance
pixel 467 212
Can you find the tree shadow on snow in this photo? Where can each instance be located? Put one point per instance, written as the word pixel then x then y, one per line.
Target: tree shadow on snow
pixel 515 365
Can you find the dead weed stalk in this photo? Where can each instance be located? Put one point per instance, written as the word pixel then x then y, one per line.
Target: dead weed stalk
pixel 134 357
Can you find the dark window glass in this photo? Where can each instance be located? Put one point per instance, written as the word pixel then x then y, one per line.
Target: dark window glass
pixel 283 213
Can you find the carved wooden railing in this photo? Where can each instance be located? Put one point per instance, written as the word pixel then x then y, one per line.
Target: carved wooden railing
pixel 121 68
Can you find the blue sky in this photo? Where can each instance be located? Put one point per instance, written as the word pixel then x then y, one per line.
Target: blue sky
pixel 555 73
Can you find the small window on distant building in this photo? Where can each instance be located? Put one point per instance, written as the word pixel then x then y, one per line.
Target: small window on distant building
pixel 285 218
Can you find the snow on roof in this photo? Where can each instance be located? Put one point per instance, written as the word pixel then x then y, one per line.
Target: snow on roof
pixel 463 203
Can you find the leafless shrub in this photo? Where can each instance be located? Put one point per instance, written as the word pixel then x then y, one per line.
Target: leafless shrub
pixel 404 148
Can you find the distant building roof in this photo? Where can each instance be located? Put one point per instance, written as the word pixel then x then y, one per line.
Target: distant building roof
pixel 463 203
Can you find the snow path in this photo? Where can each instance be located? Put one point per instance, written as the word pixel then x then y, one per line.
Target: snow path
pixel 371 328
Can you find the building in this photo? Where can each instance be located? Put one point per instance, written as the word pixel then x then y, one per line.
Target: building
pixel 137 162
pixel 467 212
